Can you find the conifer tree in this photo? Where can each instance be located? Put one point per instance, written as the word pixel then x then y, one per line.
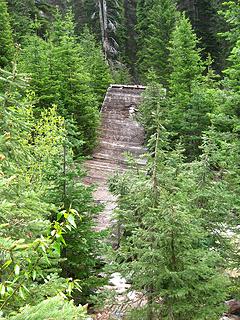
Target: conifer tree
pixel 163 250
pixel 81 14
pixel 95 63
pixel 34 60
pixel 188 88
pixel 6 39
pixel 57 308
pixel 129 36
pixel 115 29
pixel 24 169
pixel 105 18
pixel 185 60
pixel 226 115
pixel 216 190
pixel 154 51
pixel 207 24
pixel 72 80
pixel 154 97
pixel 185 122
pixel 60 76
pixel 25 13
pixel 143 7
pixel 233 72
pixel 232 16
pixel 34 189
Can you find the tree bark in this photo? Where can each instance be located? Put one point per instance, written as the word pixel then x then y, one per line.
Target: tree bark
pixel 103 24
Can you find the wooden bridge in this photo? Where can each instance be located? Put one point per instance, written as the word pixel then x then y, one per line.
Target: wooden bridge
pixel 120 133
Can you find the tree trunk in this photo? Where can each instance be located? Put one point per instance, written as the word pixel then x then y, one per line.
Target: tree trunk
pixel 103 24
pixel 130 7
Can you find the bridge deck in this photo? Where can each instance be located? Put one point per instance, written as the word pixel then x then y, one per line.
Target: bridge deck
pixel 119 134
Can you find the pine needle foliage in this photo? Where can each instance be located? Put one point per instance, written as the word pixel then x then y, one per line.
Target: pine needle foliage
pixel 192 95
pixel 95 63
pixel 154 51
pixel 55 308
pixel 6 37
pixel 232 73
pixel 34 192
pixel 60 76
pixel 185 60
pixel 163 250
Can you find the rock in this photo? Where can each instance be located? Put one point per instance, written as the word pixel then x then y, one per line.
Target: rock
pixel 119 283
pixel 234 309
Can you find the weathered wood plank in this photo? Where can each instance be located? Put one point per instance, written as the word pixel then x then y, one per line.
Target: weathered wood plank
pixel 119 134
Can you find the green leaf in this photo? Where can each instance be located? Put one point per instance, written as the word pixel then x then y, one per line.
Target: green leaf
pixel 26 289
pixel 59 216
pixel 53 232
pixel 70 287
pixel 68 227
pixel 57 247
pixel 34 274
pixel 2 289
pixel 17 269
pixel 43 247
pixel 21 293
pixel 10 290
pixel 71 220
pixel 6 264
pixel 62 240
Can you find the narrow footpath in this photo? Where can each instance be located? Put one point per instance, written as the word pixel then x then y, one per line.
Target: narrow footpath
pixel 120 133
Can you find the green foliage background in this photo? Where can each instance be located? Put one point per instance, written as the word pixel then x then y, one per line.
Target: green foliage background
pixel 180 211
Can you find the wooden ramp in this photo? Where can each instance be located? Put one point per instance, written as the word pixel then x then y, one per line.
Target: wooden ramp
pixel 119 134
